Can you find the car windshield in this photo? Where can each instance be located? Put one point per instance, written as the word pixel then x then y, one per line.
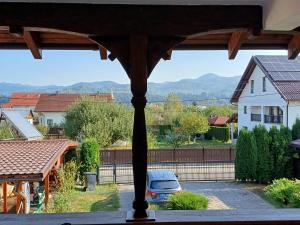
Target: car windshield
pixel 164 184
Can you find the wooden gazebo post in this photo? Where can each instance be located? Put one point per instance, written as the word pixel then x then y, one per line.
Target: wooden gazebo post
pixel 4 189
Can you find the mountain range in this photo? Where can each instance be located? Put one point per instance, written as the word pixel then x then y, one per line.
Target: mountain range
pixel 207 86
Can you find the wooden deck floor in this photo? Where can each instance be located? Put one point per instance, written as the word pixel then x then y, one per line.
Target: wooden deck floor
pixel 208 217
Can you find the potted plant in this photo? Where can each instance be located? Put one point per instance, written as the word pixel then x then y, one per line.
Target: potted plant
pixel 89 158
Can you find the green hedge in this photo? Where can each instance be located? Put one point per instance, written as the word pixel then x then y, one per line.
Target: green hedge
pixel 187 201
pixel 284 192
pixel 218 133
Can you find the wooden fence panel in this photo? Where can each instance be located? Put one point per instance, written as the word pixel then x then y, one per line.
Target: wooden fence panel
pixel 200 155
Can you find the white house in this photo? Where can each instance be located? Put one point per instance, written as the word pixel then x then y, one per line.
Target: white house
pixel 268 92
pixel 51 108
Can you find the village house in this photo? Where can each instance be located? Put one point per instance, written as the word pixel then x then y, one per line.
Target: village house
pixel 268 92
pixel 23 103
pixel 51 108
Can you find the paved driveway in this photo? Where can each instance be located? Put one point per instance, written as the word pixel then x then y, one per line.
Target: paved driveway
pixel 222 195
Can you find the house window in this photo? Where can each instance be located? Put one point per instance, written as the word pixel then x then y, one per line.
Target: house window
pixel 264 84
pixel 50 122
pixel 245 109
pixel 252 86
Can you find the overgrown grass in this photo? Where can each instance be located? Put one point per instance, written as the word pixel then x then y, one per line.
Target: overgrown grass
pixel 104 198
pixel 197 144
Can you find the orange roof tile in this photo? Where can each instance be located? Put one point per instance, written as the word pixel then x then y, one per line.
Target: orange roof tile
pixel 61 102
pixel 30 160
pixel 22 99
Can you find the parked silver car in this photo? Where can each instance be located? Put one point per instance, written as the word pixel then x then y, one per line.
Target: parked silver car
pixel 161 184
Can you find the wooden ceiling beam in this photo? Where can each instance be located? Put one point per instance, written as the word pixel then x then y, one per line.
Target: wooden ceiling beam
pixel 294 47
pixel 31 40
pixel 235 43
pixel 158 20
pixel 103 52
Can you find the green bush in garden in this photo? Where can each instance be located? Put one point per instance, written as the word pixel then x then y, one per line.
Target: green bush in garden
pixel 218 133
pixel 187 201
pixel 284 192
pixel 67 179
pixel 286 159
pixel 296 129
pixel 264 162
pixel 246 156
pixel 89 155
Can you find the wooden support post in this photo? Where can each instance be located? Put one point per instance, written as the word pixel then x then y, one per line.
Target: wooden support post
pixel 138 75
pixel 103 52
pixel 19 198
pixel 294 47
pixel 31 40
pixel 4 188
pixel 235 43
pixel 46 186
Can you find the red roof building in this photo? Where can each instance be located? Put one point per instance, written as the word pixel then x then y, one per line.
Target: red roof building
pixel 218 120
pixel 61 102
pixel 22 99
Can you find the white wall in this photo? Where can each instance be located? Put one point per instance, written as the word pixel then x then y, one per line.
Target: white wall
pixel 259 98
pixel 57 117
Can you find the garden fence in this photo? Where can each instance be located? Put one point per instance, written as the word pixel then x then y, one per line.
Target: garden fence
pixel 203 164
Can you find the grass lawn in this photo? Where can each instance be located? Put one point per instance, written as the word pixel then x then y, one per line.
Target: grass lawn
pixel 197 144
pixel 104 198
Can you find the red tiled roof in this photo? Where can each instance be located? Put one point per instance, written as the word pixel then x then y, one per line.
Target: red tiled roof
pixel 61 102
pixel 218 120
pixel 30 160
pixel 22 99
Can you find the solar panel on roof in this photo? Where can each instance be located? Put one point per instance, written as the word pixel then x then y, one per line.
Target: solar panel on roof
pixel 27 130
pixel 279 63
pixel 285 76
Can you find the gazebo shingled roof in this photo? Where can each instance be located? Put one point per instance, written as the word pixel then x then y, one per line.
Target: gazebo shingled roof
pixel 30 160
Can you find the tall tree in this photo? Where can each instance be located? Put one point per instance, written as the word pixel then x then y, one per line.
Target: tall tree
pixel 192 123
pixel 264 162
pixel 246 156
pixel 105 121
pixel 296 129
pixel 173 107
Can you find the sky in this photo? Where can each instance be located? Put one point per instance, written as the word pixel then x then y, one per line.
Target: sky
pixel 69 67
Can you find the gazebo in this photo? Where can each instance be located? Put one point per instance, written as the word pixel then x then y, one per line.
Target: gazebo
pixel 141 33
pixel 30 161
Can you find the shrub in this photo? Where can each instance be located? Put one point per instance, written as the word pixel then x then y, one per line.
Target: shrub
pixel 285 192
pixel 264 163
pixel 187 201
pixel 67 176
pixel 89 155
pixel 218 133
pixel 151 140
pixel 246 156
pixel 42 129
pixel 281 153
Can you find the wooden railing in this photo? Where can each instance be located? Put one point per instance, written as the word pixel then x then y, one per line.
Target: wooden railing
pixel 164 217
pixel 273 119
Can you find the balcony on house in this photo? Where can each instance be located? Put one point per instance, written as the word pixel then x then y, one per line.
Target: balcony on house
pixel 273 114
pixel 256 113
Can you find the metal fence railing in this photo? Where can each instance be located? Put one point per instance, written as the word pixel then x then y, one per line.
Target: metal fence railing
pixel 188 164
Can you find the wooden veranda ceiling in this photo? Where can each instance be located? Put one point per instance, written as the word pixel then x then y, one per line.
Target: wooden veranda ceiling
pixel 38 40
